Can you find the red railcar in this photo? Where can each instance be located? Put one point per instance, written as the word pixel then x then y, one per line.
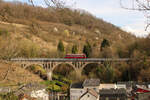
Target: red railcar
pixel 75 56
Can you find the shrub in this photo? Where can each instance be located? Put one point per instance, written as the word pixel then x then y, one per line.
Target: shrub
pixel 29 49
pixel 8 96
pixel 66 33
pixel 37 70
pixel 3 32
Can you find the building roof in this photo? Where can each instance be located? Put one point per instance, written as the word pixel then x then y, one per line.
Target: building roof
pixel 91 82
pixel 112 91
pixel 128 84
pixel 77 85
pixel 132 83
pixel 93 92
pixel 28 88
pixel 90 91
pixel 107 86
pixel 141 89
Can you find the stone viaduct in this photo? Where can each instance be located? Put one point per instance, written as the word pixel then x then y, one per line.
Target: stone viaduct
pixel 49 64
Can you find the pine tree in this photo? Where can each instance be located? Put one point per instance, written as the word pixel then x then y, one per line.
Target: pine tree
pixel 105 43
pixel 60 46
pixel 87 49
pixel 74 49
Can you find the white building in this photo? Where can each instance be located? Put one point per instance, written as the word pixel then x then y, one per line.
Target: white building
pixel 75 94
pixel 76 91
pixel 88 90
pixel 149 86
pixel 121 86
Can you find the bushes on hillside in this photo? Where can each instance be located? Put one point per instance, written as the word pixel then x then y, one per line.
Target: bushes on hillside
pixel 11 49
pixel 37 69
pixel 29 49
pixel 8 96
pixel 8 49
pixel 17 12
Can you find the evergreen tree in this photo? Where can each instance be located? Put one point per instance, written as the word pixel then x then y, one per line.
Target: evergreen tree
pixel 105 43
pixel 60 46
pixel 87 49
pixel 74 49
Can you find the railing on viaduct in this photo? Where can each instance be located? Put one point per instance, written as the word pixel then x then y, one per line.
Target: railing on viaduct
pixel 70 60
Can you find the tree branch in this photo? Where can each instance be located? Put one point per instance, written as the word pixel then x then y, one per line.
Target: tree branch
pixel 50 3
pixel 138 5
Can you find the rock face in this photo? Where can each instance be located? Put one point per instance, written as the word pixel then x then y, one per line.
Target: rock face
pixel 73 33
pixel 97 31
pixel 55 29
pixel 96 38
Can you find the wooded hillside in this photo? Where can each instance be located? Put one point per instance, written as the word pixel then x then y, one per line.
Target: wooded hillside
pixel 27 31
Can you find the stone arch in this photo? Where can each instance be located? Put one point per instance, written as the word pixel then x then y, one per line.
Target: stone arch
pixel 88 63
pixel 57 64
pixel 25 65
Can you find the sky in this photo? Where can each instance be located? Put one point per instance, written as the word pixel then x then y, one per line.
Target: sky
pixel 111 11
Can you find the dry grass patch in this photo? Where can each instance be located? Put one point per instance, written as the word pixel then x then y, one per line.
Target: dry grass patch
pixel 12 74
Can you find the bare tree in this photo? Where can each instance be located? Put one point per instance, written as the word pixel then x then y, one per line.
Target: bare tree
pixel 50 3
pixel 139 5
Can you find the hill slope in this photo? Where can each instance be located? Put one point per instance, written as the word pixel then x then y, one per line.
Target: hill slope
pixel 35 32
pixel 11 74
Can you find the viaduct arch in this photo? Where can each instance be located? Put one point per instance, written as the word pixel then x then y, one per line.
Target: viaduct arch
pixel 49 64
pixel 49 67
